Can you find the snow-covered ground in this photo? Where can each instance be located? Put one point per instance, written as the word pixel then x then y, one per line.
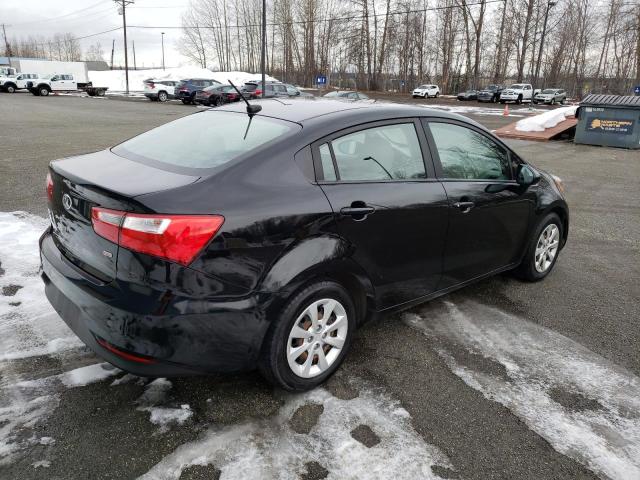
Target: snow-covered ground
pixel 271 449
pixel 586 407
pixel 548 119
pixel 481 110
pixel 115 79
pixel 28 324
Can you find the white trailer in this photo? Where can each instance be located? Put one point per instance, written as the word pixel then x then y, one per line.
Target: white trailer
pixel 44 68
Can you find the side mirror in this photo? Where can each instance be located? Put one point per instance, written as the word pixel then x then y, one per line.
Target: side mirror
pixel 526 175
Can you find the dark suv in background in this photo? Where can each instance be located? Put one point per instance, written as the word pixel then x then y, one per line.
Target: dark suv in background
pixel 186 90
pixel 490 93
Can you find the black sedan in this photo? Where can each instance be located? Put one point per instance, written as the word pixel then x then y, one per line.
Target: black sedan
pixel 230 239
pixel 468 95
pixel 217 95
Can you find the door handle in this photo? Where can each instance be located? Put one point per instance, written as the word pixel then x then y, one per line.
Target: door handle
pixel 358 212
pixel 464 207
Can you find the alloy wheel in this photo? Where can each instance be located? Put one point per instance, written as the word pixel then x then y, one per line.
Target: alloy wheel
pixel 547 247
pixel 317 338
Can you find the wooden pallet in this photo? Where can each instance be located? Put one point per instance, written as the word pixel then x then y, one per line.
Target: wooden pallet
pixel 509 131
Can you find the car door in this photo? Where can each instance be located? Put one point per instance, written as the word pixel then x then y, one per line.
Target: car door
pixel 70 83
pixel 380 182
pixel 57 83
pixel 490 211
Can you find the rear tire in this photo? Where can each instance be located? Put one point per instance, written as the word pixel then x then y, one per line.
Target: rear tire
pixel 545 243
pixel 277 359
pixel 162 97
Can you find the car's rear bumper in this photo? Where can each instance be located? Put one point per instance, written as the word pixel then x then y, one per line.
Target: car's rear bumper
pixel 226 338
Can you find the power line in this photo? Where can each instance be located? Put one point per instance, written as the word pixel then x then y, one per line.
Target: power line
pixel 316 20
pixel 55 42
pixel 61 16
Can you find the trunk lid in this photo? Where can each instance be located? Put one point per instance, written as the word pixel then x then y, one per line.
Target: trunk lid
pixel 100 179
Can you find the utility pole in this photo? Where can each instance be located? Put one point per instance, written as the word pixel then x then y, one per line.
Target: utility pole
pixel 133 43
pixel 123 11
pixel 113 47
pixel 162 37
pixel 550 5
pixel 264 44
pixel 6 42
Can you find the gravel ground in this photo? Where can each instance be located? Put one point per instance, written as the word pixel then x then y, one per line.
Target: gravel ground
pixel 441 383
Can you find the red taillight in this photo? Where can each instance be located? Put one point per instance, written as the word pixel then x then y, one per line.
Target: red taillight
pixel 106 223
pixel 122 354
pixel 151 85
pixel 258 91
pixel 49 186
pixel 178 238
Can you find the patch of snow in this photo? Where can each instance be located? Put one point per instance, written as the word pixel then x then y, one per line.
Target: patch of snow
pixel 29 326
pixel 490 111
pixel 164 417
pixel 90 374
pixel 41 464
pixel 549 119
pixel 538 360
pixel 155 393
pixel 269 448
pixel 47 441
pixel 115 79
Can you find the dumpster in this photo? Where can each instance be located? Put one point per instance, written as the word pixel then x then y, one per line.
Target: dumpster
pixel 609 120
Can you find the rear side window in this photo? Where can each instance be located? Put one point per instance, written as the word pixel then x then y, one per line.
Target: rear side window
pixel 204 140
pixel 467 154
pixel 389 152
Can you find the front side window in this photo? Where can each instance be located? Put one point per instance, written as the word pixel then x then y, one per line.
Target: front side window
pixel 204 140
pixel 467 154
pixel 390 152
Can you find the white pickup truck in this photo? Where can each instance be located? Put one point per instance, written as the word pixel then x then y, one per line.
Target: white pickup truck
pixel 518 93
pixel 63 83
pixel 20 81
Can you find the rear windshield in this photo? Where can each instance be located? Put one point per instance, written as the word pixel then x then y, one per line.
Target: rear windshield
pixel 204 140
pixel 549 91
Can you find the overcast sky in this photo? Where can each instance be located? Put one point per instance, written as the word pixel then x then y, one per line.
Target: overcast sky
pixel 85 17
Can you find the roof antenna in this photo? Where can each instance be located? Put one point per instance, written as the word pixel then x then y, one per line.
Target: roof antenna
pixel 251 109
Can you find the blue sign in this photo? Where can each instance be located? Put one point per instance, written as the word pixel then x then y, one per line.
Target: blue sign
pixel 637 90
pixel 321 80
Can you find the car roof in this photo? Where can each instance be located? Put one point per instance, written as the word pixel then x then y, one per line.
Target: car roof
pixel 307 110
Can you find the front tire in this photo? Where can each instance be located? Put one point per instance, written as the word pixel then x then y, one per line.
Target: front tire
pixel 10 89
pixel 44 91
pixel 519 100
pixel 305 345
pixel 543 250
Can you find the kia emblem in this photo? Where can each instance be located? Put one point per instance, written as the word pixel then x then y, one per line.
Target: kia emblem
pixel 66 201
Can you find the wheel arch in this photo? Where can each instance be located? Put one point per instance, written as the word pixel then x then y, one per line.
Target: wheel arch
pixel 564 217
pixel 324 257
